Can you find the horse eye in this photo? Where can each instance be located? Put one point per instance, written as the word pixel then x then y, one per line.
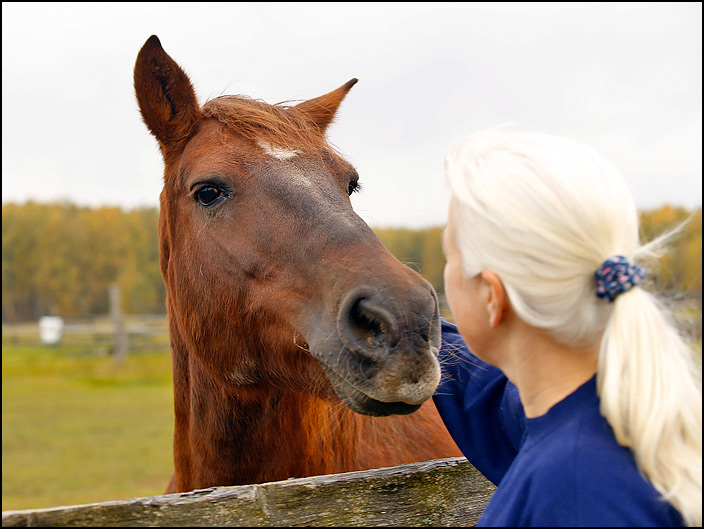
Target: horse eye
pixel 208 195
pixel 354 187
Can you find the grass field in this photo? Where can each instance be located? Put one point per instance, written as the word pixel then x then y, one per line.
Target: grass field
pixel 77 428
pixel 80 429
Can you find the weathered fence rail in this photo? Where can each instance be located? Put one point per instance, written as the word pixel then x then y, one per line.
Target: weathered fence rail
pixel 442 492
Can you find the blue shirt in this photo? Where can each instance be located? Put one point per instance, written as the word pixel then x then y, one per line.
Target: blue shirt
pixel 563 468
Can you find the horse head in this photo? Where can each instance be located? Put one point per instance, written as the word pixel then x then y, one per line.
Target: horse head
pixel 271 276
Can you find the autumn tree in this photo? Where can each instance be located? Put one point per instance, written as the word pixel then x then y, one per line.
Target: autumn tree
pixel 60 258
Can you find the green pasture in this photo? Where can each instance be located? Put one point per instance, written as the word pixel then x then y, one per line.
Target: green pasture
pixel 77 428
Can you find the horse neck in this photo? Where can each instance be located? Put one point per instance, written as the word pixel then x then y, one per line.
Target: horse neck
pixel 227 435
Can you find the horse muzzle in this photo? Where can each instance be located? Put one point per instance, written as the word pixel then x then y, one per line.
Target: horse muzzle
pixel 381 358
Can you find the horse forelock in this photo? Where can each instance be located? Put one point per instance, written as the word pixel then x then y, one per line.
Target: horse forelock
pixel 279 127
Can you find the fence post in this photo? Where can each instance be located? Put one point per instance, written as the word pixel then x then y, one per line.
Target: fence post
pixel 121 345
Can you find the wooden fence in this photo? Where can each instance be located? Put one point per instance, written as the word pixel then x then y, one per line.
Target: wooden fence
pixel 143 332
pixel 443 492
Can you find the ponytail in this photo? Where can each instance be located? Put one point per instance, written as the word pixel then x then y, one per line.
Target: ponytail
pixel 650 396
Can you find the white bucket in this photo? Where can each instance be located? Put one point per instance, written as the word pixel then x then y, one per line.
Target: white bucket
pixel 50 329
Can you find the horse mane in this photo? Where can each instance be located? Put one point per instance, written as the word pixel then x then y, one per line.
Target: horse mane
pixel 281 125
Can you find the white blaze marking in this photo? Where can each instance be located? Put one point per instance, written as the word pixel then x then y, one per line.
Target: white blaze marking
pixel 277 152
pixel 294 175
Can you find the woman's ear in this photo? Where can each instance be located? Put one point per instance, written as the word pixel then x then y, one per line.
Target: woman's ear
pixel 496 298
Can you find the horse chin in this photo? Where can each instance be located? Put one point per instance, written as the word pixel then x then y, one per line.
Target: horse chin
pixel 360 402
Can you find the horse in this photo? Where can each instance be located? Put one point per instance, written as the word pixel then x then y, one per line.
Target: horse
pixel 300 345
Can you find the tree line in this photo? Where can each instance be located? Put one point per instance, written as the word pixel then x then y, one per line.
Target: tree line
pixel 60 258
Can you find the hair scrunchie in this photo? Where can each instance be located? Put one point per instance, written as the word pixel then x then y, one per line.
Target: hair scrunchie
pixel 616 276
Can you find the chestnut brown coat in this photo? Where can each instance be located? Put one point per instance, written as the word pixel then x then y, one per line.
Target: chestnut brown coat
pixel 300 345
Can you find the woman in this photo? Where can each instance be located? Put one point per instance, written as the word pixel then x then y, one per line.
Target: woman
pixel 579 398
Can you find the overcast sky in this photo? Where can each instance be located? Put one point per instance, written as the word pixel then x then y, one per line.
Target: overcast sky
pixel 624 78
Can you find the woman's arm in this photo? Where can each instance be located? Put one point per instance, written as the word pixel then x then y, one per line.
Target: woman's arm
pixel 480 407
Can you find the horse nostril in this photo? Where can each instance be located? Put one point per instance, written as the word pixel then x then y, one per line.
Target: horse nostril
pixel 366 325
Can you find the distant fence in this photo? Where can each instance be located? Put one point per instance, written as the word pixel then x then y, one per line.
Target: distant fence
pixel 439 493
pixel 143 332
pixel 688 315
pixel 151 331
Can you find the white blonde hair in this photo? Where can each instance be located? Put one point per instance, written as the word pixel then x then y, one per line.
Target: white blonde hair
pixel 544 213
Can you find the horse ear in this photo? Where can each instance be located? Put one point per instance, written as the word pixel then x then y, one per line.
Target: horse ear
pixel 322 109
pixel 165 94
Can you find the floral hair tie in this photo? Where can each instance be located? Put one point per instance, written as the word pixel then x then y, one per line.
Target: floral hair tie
pixel 616 276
